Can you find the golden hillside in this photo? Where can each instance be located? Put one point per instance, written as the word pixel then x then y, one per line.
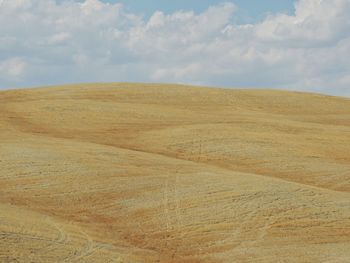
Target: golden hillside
pixel 164 173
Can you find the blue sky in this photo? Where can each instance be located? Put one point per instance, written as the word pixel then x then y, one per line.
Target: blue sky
pixel 299 45
pixel 249 10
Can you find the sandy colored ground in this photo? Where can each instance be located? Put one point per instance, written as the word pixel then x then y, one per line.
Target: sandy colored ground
pixel 154 173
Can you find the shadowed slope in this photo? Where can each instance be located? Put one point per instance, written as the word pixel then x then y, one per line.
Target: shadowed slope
pixel 147 173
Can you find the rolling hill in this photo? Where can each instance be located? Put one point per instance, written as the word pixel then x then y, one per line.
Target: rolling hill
pixel 166 173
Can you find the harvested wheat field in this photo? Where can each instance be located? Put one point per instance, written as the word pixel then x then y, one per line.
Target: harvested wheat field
pixel 165 173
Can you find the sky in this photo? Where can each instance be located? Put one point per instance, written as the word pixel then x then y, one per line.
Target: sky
pixel 249 10
pixel 301 45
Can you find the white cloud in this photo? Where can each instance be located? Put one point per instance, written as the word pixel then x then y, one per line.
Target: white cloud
pixel 43 41
pixel 315 23
pixel 59 38
pixel 13 68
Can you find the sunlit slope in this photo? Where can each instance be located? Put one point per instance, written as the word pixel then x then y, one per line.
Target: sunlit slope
pixel 154 173
pixel 295 136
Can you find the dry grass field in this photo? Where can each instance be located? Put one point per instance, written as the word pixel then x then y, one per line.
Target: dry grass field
pixel 163 173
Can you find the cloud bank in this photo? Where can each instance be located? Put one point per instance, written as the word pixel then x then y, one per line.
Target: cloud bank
pixel 48 42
